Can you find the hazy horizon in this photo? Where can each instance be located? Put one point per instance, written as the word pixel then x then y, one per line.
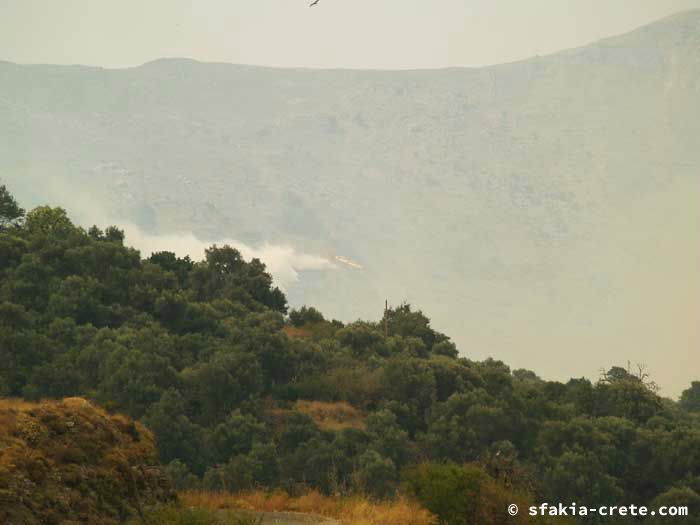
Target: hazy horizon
pixel 279 33
pixel 563 190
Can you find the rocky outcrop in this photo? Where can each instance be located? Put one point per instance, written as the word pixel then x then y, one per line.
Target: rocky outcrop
pixel 69 462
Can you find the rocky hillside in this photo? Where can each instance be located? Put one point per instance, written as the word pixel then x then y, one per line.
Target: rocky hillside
pixel 68 462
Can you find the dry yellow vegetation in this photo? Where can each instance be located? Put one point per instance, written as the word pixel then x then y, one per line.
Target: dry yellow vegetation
pixel 332 416
pixel 68 462
pixel 294 332
pixel 347 510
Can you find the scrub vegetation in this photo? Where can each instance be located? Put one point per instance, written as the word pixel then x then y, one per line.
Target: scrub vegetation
pixel 243 394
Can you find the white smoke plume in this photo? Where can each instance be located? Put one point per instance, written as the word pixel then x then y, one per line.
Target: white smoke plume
pixel 283 262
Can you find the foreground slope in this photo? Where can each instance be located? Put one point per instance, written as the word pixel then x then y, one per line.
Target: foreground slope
pixel 64 462
pixel 240 396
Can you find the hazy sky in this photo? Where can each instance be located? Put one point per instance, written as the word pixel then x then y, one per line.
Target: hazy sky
pixel 336 33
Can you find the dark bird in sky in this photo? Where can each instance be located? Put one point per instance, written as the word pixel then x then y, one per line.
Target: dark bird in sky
pixel 314 3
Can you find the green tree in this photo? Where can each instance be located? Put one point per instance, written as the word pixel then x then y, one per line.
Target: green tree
pixel 10 212
pixel 49 224
pixel 387 438
pixel 219 386
pixel 405 322
pixel 225 275
pixel 377 475
pixel 177 437
pixel 690 398
pixel 305 315
pixel 681 496
pixel 234 436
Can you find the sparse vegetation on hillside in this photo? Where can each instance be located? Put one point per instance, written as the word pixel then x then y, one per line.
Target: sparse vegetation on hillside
pixel 331 416
pixel 69 461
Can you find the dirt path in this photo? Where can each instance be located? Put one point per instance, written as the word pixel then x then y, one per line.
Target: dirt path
pixel 290 518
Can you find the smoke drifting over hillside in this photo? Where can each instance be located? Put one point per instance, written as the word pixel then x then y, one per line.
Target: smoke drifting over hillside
pixel 542 212
pixel 283 262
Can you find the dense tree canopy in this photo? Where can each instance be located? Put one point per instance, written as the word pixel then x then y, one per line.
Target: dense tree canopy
pixel 205 355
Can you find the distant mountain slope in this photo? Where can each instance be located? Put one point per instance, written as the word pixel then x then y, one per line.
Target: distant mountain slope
pixel 543 211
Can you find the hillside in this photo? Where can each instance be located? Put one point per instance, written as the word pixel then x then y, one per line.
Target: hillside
pixel 65 462
pixel 563 188
pixel 242 393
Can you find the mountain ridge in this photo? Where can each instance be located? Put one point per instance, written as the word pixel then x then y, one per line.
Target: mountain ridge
pixel 670 19
pixel 506 200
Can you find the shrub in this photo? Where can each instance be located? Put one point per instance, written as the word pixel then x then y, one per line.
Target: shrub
pixel 447 490
pixel 461 495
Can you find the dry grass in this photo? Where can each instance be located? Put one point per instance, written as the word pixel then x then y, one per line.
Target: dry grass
pixel 70 460
pixel 14 404
pixel 353 510
pixel 297 333
pixel 332 416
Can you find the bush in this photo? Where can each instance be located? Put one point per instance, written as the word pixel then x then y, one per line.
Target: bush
pixel 180 476
pixel 377 475
pixel 305 315
pixel 447 490
pixel 461 495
